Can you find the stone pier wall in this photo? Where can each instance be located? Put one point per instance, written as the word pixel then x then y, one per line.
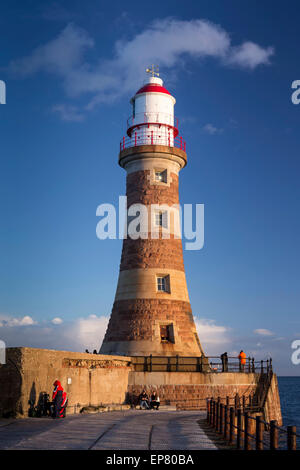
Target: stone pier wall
pixel 190 388
pixel 88 379
pixel 97 380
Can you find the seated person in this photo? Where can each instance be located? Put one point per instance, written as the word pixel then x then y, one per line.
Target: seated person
pixel 154 401
pixel 144 400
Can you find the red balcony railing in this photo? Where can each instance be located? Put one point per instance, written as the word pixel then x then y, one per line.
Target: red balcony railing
pixel 152 138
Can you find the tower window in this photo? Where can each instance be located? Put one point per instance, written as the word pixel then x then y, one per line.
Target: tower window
pixel 161 176
pixel 161 219
pixel 167 333
pixel 163 283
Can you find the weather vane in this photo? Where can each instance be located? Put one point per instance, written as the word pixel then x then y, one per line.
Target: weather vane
pixel 154 70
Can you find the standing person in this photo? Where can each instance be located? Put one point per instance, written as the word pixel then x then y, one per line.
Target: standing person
pixel 242 359
pixel 224 359
pixel 144 400
pixel 64 404
pixel 154 401
pixel 57 398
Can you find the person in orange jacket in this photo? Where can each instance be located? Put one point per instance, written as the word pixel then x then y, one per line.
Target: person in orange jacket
pixel 242 359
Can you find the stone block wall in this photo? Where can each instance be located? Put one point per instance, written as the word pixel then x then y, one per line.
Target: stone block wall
pixel 97 380
pixel 88 379
pixel 190 389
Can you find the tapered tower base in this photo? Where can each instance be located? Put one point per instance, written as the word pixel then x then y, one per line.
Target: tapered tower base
pixel 144 319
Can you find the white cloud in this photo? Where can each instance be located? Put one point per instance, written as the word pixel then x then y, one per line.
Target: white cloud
pixel 250 55
pixel 59 56
pixel 7 321
pixel 263 332
pixel 167 42
pixel 212 130
pixel 75 335
pixel 213 337
pixel 89 332
pixel 68 113
pixel 56 321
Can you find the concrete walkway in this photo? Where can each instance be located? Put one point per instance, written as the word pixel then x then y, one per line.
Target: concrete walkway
pixel 119 430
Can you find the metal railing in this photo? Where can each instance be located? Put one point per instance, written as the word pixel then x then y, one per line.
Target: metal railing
pixel 243 426
pixel 208 364
pixel 152 137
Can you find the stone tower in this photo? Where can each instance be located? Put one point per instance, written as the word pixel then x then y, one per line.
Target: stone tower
pixel 151 312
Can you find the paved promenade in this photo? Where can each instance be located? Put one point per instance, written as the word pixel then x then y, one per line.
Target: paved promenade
pixel 118 430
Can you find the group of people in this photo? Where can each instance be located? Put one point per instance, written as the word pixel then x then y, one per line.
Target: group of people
pixel 242 361
pixel 59 401
pixel 149 403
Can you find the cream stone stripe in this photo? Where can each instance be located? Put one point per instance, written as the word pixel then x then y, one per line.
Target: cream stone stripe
pixel 125 160
pixel 154 164
pixel 142 284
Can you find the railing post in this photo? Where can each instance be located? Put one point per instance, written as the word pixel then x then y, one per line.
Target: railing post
pixel 207 410
pixel 221 418
pixel 236 402
pixel 226 422
pixel 239 429
pixel 211 422
pixel 291 438
pixel 218 414
pixel 259 433
pixel 267 366
pixel 150 362
pixel 261 366
pixel 246 432
pixel 231 425
pixel 271 366
pixel 169 139
pixel 169 365
pixel 273 435
pixel 135 139
pixel 177 363
pixel 214 413
pixel 249 364
pixel 253 365
pixel 244 403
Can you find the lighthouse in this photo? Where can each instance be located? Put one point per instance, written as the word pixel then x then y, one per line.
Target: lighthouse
pixel 151 313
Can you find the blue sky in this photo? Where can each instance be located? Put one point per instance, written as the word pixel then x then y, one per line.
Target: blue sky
pixel 70 70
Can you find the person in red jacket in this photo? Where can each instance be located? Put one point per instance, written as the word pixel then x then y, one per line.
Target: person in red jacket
pixel 64 404
pixel 57 398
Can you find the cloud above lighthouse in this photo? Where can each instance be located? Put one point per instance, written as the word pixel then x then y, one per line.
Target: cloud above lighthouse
pixel 168 42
